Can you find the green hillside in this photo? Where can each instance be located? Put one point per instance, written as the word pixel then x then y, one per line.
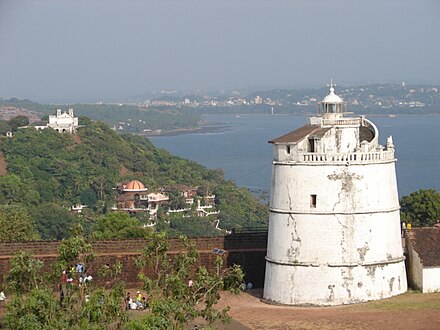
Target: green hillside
pixel 47 172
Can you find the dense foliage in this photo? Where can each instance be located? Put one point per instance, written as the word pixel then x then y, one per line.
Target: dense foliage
pixel 178 294
pixel 13 124
pixel 421 208
pixel 35 306
pixel 173 304
pixel 15 224
pixel 119 225
pixel 48 172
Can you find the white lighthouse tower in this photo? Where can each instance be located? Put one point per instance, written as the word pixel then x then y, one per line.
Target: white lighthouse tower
pixel 334 226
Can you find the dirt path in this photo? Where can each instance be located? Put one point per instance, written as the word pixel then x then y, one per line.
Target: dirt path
pixel 408 311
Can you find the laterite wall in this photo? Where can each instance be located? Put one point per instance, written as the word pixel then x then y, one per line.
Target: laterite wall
pixel 245 249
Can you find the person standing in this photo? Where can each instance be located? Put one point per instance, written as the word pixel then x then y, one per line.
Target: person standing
pixel 2 298
pixel 128 301
pixel 138 300
pixel 61 295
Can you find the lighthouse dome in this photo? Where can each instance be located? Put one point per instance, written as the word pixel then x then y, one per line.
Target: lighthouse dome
pixel 332 97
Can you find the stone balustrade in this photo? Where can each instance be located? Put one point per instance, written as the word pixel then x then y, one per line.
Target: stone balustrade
pixel 372 157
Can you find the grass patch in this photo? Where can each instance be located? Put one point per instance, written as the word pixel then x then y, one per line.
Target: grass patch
pixel 409 301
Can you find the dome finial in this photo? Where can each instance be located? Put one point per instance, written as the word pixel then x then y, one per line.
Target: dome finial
pixel 331 85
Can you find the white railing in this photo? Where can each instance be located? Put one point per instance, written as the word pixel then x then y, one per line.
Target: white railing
pixel 341 122
pixel 352 158
pixel 357 157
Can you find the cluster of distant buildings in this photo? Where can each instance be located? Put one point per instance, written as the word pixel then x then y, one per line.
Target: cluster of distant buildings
pixel 366 97
pixel 133 197
pixel 209 102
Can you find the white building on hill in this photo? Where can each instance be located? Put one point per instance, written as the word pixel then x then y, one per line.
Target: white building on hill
pixel 334 227
pixel 63 122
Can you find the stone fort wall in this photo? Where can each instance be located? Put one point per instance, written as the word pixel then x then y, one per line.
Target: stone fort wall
pixel 245 249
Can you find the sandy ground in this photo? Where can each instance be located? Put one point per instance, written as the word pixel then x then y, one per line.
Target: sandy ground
pixel 408 311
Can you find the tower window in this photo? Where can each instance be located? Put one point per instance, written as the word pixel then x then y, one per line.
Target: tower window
pixel 313 201
pixel 288 150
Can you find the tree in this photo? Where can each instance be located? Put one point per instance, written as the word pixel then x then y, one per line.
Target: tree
pixel 16 225
pixel 15 189
pixel 239 208
pixel 18 121
pixel 119 225
pixel 25 273
pixel 175 301
pixel 421 208
pixel 53 221
pixel 88 197
pixel 195 227
pixel 4 127
pixel 74 250
pixel 177 200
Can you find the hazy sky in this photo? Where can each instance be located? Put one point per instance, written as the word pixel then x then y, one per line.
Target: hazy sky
pixel 73 50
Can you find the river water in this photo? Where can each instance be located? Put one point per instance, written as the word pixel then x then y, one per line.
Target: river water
pixel 243 152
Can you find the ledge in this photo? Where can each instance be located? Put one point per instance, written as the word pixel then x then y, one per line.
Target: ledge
pixel 333 265
pixel 311 212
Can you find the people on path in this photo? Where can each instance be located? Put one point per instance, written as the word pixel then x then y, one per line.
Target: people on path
pixel 139 300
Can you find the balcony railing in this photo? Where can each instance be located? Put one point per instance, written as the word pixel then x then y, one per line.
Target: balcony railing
pixel 352 158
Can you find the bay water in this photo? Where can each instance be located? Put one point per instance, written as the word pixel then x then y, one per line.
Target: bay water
pixel 242 150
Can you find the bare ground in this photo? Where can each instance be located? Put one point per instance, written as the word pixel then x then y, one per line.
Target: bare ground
pixel 407 311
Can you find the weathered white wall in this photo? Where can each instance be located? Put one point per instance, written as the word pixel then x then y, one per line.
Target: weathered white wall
pixel 415 269
pixel 431 279
pixel 363 188
pixel 323 285
pixel 339 140
pixel 347 249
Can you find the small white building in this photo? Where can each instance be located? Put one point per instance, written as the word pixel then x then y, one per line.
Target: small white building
pixel 63 122
pixel 423 248
pixel 334 226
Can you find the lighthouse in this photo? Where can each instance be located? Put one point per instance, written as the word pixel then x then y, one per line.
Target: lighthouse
pixel 334 226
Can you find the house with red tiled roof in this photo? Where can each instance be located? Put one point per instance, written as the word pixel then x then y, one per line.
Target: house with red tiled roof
pixel 132 197
pixel 423 253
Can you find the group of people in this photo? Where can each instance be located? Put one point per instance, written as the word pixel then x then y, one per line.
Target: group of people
pixel 139 303
pixel 68 275
pixel 73 275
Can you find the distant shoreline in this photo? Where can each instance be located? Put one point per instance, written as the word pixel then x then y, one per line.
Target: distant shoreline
pixel 221 127
pixel 182 131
